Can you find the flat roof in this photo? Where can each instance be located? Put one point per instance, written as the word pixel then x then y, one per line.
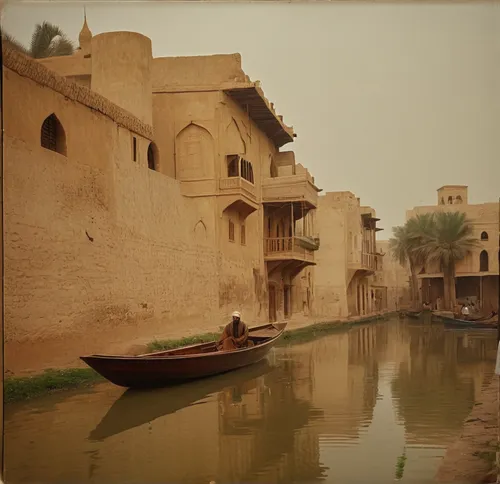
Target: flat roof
pixel 250 97
pixel 452 186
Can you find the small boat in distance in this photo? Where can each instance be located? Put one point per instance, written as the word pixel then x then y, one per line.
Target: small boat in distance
pixel 164 368
pixel 411 314
pixel 465 324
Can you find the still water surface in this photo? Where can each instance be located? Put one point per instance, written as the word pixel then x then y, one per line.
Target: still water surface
pixel 338 409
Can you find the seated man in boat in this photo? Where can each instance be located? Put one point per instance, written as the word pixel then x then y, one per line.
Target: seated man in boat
pixel 235 335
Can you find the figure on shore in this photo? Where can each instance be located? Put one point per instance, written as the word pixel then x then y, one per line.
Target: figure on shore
pixel 465 311
pixel 235 335
pixel 438 303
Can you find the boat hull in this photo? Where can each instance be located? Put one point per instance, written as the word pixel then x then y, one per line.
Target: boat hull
pixel 150 371
pixel 461 323
pixel 413 315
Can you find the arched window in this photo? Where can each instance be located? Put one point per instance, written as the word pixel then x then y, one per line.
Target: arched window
pixel 246 170
pixel 458 199
pixel 273 170
pixel 52 136
pixel 484 235
pixel 232 166
pixel 483 261
pixel 450 199
pixel 152 157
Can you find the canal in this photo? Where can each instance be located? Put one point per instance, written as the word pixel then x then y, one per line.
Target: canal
pixel 342 408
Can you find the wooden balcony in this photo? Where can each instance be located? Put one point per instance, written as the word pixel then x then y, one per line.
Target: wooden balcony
pixel 368 262
pixel 287 248
pixel 238 193
pixel 293 188
pixel 236 185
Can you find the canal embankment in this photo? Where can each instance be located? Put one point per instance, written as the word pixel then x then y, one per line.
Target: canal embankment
pixel 38 383
pixel 471 459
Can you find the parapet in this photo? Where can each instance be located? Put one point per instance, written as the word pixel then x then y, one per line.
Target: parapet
pixel 453 195
pixel 221 73
pixel 30 68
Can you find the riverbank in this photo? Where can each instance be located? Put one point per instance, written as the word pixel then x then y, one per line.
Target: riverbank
pixel 296 330
pixel 22 388
pixel 472 458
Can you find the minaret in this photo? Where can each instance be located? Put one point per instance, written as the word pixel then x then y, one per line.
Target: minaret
pixel 85 37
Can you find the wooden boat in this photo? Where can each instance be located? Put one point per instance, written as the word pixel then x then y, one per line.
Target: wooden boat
pixel 462 323
pixel 163 368
pixel 413 314
pixel 156 403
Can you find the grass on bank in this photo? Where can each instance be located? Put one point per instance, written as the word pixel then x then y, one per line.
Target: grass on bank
pixel 27 387
pixel 400 465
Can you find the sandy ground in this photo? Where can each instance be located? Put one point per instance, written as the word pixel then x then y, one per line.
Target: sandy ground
pixel 469 459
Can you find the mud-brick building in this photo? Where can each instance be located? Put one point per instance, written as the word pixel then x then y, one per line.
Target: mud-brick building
pixel 145 198
pixel 477 274
pixel 348 264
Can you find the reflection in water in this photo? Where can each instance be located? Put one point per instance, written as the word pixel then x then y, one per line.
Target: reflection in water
pixel 156 403
pixel 339 409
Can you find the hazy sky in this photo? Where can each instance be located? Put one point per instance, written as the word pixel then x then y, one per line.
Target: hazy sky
pixel 388 101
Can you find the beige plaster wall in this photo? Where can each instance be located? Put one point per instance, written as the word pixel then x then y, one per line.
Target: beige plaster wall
pixel 183 72
pixel 121 71
pixel 394 277
pixel 69 65
pixel 330 273
pixel 342 282
pixel 195 131
pixel 100 251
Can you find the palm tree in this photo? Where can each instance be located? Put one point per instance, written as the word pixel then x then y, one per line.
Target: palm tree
pixel 400 246
pixel 48 40
pixel 406 244
pixel 449 240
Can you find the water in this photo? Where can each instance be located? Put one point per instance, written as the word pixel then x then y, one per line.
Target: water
pixel 338 409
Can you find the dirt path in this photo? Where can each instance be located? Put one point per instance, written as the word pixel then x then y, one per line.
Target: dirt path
pixel 471 459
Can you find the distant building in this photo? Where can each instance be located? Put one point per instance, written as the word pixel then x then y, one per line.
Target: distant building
pixel 477 274
pixel 345 283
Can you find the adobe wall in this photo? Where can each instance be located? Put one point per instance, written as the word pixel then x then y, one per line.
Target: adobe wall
pixel 394 277
pixel 210 70
pixel 330 272
pixel 218 127
pixel 100 251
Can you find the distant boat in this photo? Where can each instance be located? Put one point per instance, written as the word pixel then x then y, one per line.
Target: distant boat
pixel 462 323
pixel 413 314
pixel 163 368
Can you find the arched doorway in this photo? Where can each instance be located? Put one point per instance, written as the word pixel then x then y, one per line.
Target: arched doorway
pixel 483 262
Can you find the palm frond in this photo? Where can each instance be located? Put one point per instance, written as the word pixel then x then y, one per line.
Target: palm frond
pixel 450 240
pixel 49 40
pixel 398 245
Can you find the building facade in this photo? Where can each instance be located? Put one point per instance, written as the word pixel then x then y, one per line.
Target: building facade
pixel 348 262
pixel 477 274
pixel 145 198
